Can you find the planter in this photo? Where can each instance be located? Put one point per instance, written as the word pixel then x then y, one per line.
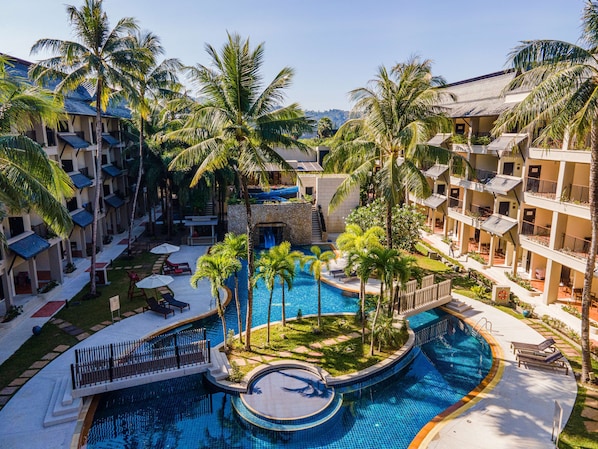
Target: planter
pixel 526 313
pixel 593 330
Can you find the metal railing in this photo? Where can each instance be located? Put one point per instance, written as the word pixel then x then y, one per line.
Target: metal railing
pixel 479 211
pixel 432 332
pixel 541 187
pixel 575 193
pixel 104 364
pixel 575 246
pixel 455 203
pixel 484 176
pixel 539 234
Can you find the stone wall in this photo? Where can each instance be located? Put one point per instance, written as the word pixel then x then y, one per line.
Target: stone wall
pixel 296 217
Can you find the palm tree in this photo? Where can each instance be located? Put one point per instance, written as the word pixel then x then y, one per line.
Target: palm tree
pixel 267 270
pixel 397 114
pixel 217 268
pixel 315 263
pixel 238 124
pixel 563 79
pixel 99 56
pixel 234 246
pixel 355 245
pixel 286 268
pixel 150 81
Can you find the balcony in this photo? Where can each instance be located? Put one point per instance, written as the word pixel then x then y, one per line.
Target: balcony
pixel 43 231
pixel 575 246
pixel 535 233
pixel 541 187
pixel 478 211
pixel 484 176
pixel 455 203
pixel 575 193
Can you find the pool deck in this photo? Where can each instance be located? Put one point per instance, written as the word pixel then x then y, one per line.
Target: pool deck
pixel 515 411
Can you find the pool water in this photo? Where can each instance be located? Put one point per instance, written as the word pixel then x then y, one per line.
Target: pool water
pixel 189 413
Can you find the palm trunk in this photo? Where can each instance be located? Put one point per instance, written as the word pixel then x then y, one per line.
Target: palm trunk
pixel 250 263
pixel 362 294
pixel 388 225
pixel 98 191
pixel 238 304
pixel 269 314
pixel 378 305
pixel 319 302
pixel 284 318
pixel 137 186
pixel 222 318
pixel 586 363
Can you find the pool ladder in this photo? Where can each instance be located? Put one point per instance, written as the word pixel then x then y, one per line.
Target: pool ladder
pixel 482 323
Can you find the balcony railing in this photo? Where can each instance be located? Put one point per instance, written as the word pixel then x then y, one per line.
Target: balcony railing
pixel 541 187
pixel 484 176
pixel 538 234
pixel 575 193
pixel 43 231
pixel 478 211
pixel 455 203
pixel 575 246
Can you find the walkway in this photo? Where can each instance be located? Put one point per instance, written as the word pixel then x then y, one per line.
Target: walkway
pixel 517 412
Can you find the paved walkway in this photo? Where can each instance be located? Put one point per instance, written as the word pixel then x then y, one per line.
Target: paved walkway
pixel 517 412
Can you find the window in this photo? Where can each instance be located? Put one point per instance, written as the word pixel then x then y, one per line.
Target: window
pixel 104 159
pixel 71 204
pixel 63 127
pixel 508 168
pixel 441 189
pixel 16 226
pixel 460 128
pixel 106 189
pixel 309 190
pixel 67 165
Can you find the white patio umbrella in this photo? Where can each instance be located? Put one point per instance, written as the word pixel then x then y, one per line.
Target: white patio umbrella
pixel 164 248
pixel 154 281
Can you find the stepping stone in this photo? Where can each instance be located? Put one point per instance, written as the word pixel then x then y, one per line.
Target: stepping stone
pixel 82 336
pixel 18 382
pixel 4 400
pixel 285 354
pixel 301 350
pixel 317 345
pixel 29 373
pixel 61 348
pixel 106 323
pixel 268 358
pixel 128 314
pixel 310 360
pixel 56 321
pixel 73 330
pixel 343 338
pixel 8 391
pixel 329 342
pixel 239 361
pixel 39 364
pixel 50 356
pixel 64 324
pixel 590 413
pixel 591 426
pixel 315 354
pixel 138 266
pixel 355 335
pixel 139 310
pixel 97 327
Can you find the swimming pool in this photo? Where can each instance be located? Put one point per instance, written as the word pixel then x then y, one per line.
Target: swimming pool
pixel 189 413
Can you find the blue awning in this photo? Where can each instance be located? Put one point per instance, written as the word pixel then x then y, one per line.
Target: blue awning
pixel 73 140
pixel 80 180
pixel 82 218
pixel 114 201
pixel 29 246
pixel 111 170
pixel 110 140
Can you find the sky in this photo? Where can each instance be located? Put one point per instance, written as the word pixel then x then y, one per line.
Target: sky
pixel 333 46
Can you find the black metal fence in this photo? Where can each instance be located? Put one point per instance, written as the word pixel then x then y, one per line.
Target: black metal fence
pixel 107 363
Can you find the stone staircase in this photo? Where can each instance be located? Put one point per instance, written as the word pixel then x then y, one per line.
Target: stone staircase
pixel 457 306
pixel 63 407
pixel 316 230
pixel 220 367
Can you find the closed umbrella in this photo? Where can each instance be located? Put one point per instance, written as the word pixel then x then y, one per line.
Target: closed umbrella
pixel 164 248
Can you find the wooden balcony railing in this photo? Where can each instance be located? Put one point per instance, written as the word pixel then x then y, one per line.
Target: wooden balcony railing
pixel 541 187
pixel 536 233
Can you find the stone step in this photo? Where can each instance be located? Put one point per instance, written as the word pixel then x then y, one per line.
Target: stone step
pixel 219 368
pixel 62 407
pixel 457 306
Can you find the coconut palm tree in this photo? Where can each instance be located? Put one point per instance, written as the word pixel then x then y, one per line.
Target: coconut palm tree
pixel 315 263
pixel 563 79
pixel 396 114
pixel 238 124
pixel 150 81
pixel 217 268
pixel 355 244
pixel 234 246
pixel 99 56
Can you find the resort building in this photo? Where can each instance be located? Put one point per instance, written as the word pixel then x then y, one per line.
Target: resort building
pixel 516 205
pixel 35 256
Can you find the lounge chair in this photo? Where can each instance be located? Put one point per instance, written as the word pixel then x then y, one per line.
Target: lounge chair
pixel 530 347
pixel 176 268
pixel 154 306
pixel 169 299
pixel 554 360
pixel 335 273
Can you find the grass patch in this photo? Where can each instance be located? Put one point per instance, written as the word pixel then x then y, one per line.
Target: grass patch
pixel 575 435
pixel 431 265
pixel 338 359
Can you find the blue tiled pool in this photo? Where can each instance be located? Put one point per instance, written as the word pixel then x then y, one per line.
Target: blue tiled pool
pixel 188 413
